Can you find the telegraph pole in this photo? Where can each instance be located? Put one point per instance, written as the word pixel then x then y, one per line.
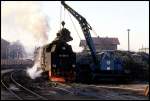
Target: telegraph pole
pixel 128 40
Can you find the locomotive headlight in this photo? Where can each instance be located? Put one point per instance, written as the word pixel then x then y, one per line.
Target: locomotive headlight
pixel 73 65
pixel 63 48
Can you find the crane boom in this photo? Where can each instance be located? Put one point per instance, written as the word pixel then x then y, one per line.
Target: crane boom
pixel 86 30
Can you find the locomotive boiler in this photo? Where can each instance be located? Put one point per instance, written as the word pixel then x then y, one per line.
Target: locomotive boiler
pixel 58 59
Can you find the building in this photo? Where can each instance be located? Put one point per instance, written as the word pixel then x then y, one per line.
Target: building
pixel 4 49
pixel 102 43
pixel 146 50
pixel 14 50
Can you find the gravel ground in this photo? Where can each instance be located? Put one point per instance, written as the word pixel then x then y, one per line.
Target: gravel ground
pixel 84 92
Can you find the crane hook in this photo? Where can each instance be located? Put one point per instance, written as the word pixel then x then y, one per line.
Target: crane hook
pixel 63 23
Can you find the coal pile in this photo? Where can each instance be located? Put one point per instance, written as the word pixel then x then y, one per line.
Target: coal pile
pixel 136 63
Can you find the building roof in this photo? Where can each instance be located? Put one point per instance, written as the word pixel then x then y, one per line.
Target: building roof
pixel 102 40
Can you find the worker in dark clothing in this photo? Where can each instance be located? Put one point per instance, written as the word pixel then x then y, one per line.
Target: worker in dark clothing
pixel 63 36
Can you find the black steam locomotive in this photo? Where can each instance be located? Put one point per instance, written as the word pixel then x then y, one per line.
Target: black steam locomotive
pixel 58 59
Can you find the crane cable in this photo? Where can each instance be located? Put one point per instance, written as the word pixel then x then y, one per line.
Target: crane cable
pixel 60 15
pixel 70 18
pixel 84 45
pixel 62 19
pixel 73 23
pixel 64 14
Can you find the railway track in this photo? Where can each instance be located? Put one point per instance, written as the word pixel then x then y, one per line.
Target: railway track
pixel 75 90
pixel 23 93
pixel 5 85
pixel 58 90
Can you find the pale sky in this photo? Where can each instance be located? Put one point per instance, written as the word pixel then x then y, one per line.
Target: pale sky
pixel 107 18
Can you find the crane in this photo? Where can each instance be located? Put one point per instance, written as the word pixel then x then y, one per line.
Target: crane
pixel 85 29
pixel 104 63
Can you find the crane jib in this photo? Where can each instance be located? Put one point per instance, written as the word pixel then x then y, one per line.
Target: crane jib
pixel 86 30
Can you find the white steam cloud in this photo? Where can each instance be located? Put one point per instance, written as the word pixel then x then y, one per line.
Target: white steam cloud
pixel 24 21
pixel 36 70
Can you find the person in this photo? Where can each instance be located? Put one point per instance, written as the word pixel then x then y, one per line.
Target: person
pixel 63 36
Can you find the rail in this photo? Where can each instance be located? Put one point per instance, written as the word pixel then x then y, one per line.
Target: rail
pixel 30 92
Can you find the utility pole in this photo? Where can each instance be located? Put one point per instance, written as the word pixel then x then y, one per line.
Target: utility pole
pixel 128 40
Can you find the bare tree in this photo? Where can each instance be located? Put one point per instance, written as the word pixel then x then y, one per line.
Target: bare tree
pixel 16 50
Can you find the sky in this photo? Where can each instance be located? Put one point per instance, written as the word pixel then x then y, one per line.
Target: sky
pixel 107 18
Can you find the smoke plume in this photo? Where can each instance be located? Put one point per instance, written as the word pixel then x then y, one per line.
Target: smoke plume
pixel 36 70
pixel 24 21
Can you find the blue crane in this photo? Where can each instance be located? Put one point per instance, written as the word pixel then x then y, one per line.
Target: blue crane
pixel 86 31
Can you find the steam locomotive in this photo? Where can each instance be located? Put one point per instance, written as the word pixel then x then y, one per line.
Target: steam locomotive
pixel 57 59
